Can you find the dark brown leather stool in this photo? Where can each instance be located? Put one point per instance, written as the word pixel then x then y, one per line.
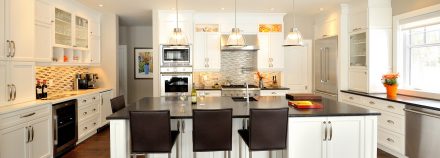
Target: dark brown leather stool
pixel 151 133
pixel 212 131
pixel 117 103
pixel 267 130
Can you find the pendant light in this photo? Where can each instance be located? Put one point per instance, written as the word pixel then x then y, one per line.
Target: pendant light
pixel 236 39
pixel 177 37
pixel 294 38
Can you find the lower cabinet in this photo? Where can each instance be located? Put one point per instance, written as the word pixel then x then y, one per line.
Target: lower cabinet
pixel 210 93
pixel 106 108
pixel 273 93
pixel 332 137
pixel 30 139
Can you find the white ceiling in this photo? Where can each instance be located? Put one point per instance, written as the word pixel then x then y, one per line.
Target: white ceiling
pixel 139 12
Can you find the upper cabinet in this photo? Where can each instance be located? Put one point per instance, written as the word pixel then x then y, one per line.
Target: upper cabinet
pixel 370 28
pixel 326 28
pixel 43 30
pixel 17 20
pixel 207 53
pixel 271 53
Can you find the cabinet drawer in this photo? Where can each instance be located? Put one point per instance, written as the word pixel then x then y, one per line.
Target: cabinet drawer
pixel 87 111
pixel 392 122
pixel 14 118
pixel 391 140
pixel 385 105
pixel 355 99
pixel 87 100
pixel 209 93
pixel 88 125
pixel 273 92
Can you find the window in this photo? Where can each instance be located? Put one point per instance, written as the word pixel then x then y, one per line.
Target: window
pixel 421 58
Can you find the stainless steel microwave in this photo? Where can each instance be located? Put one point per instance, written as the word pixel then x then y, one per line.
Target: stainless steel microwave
pixel 172 56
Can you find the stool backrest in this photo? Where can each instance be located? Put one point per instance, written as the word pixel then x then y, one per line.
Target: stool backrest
pixel 117 103
pixel 150 131
pixel 268 129
pixel 212 130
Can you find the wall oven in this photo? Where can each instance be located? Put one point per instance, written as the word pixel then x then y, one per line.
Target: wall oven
pixel 175 56
pixel 175 84
pixel 65 127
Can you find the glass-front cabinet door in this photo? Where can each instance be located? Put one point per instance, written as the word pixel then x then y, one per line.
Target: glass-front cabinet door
pixel 358 50
pixel 81 32
pixel 63 28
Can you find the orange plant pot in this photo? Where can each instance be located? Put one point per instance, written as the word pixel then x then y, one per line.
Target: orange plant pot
pixel 391 90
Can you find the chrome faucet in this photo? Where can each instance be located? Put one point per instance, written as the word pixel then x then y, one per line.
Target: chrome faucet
pixel 247 92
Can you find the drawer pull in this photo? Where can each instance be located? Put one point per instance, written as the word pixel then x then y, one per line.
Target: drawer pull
pixel 207 94
pixel 84 101
pixel 390 107
pixel 94 123
pixel 351 98
pixel 94 98
pixel 94 109
pixel 85 128
pixel 28 115
pixel 372 103
pixel 390 122
pixel 85 113
pixel 390 140
pixel 274 92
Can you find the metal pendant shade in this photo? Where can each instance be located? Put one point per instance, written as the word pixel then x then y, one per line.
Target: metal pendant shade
pixel 294 38
pixel 177 38
pixel 236 39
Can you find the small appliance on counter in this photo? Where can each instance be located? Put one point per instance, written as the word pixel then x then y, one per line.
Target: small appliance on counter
pixel 85 81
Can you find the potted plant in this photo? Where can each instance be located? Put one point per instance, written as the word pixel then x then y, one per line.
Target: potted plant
pixel 390 82
pixel 260 79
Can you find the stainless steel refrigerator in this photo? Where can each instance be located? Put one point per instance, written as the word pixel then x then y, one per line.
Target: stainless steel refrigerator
pixel 325 67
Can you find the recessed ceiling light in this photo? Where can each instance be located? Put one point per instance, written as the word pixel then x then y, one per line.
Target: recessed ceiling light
pixel 321 9
pixel 101 5
pixel 222 8
pixel 272 9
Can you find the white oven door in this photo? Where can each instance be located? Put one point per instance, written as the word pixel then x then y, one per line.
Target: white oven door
pixel 175 84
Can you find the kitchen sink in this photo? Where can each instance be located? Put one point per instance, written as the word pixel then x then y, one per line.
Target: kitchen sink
pixel 243 99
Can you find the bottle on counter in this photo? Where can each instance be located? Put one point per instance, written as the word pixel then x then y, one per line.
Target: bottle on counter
pixel 38 90
pixel 193 95
pixel 44 90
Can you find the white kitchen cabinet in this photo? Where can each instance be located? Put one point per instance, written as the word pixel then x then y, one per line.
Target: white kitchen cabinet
pixel 207 53
pixel 41 144
pixel 22 77
pixel 43 31
pixel 105 108
pixel 358 80
pixel 273 92
pixel 209 93
pixel 271 53
pixel 332 137
pixel 27 133
pixel 19 19
pixel 3 45
pixel 298 68
pixel 4 86
pixel 324 29
pixel 358 21
pixel 14 142
pixel 95 50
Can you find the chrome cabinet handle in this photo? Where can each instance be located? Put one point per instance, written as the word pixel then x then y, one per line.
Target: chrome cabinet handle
pixel 84 101
pixel 94 109
pixel 28 138
pixel 179 128
pixel 331 131
pixel 327 54
pixel 390 140
pixel 390 107
pixel 274 92
pixel 102 101
pixel 372 103
pixel 183 126
pixel 9 48
pixel 28 115
pixel 320 59
pixel 15 91
pixel 13 49
pixel 32 133
pixel 325 131
pixel 390 122
pixel 10 92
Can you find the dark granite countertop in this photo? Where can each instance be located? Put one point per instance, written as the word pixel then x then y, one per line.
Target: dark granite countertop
pixel 183 109
pixel 403 99
pixel 275 88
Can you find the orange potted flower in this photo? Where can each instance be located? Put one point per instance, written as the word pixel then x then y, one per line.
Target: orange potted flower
pixel 390 83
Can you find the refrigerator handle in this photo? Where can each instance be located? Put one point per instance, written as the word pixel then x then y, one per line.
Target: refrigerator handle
pixel 327 54
pixel 321 64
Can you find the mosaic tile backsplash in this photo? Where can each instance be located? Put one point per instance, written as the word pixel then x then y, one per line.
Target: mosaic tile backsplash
pixel 62 77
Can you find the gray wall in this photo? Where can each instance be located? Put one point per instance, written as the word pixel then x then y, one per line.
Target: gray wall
pixel 403 6
pixel 136 36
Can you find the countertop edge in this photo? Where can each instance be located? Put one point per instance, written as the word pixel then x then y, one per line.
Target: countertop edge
pixel 396 101
pixel 20 106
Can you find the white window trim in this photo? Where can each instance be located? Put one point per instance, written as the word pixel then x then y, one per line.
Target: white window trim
pixel 398 49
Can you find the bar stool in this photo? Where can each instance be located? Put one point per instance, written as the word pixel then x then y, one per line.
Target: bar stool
pixel 267 130
pixel 117 103
pixel 151 133
pixel 212 131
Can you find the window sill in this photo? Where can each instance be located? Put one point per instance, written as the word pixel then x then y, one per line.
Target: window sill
pixel 421 94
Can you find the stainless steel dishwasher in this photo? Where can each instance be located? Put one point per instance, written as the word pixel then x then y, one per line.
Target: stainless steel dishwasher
pixel 422 132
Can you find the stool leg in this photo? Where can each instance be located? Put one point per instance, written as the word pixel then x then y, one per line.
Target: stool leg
pixel 229 154
pixel 250 154
pixel 194 154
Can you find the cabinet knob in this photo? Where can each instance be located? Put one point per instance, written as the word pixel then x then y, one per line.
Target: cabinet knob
pixel 351 98
pixel 85 113
pixel 390 140
pixel 371 102
pixel 390 107
pixel 390 122
pixel 94 109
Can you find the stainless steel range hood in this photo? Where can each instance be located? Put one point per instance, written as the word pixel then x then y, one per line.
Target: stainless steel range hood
pixel 251 43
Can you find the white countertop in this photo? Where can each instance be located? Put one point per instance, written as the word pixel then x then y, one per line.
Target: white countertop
pixel 78 94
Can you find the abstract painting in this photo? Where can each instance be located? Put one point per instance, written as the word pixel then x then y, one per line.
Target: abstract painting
pixel 143 63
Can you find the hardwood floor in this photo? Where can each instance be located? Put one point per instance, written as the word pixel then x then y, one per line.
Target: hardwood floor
pixel 98 146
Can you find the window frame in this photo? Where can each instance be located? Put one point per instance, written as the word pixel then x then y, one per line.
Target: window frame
pixel 400 52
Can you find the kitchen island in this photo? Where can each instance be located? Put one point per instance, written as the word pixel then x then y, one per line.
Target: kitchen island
pixel 336 131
